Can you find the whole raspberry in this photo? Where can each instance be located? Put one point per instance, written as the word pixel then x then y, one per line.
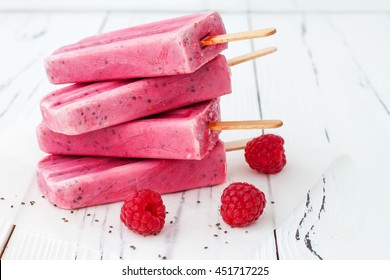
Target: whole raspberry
pixel 242 204
pixel 144 212
pixel 266 154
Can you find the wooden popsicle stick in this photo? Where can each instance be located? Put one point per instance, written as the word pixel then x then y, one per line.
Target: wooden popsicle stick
pixel 238 125
pixel 251 56
pixel 236 145
pixel 224 38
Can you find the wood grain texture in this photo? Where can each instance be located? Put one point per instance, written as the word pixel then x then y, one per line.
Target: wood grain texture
pixel 248 124
pixel 196 5
pixel 251 56
pixel 326 98
pixel 238 36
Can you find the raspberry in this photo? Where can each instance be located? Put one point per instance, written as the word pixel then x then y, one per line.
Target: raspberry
pixel 266 154
pixel 144 212
pixel 242 204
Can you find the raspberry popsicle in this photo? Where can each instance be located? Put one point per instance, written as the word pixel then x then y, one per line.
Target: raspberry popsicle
pixel 78 109
pixel 167 47
pixel 178 134
pixel 76 182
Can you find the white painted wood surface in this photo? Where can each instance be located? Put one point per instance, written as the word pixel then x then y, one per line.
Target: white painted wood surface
pixel 197 5
pixel 329 83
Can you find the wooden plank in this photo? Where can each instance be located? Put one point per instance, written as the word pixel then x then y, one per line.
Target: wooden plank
pixel 326 97
pixel 195 5
pixel 319 6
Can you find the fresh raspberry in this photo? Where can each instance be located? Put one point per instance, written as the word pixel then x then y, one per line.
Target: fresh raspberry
pixel 242 204
pixel 266 154
pixel 144 212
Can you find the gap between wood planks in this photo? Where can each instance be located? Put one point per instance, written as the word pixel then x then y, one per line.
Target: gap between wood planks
pixel 7 241
pixel 250 25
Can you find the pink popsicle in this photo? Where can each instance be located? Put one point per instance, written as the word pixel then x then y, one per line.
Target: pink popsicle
pixel 168 47
pixel 76 182
pixel 79 108
pixel 178 134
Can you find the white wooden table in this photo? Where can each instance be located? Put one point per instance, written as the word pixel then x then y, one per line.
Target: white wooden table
pixel 329 82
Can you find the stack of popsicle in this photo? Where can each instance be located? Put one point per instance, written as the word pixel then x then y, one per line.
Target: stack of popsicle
pixel 140 114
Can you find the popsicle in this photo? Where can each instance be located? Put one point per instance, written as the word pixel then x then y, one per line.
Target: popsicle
pixel 178 134
pixel 185 133
pixel 76 182
pixel 78 109
pixel 162 48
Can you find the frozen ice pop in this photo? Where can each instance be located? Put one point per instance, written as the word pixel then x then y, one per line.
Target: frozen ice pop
pixel 76 182
pixel 78 108
pixel 167 47
pixel 178 134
